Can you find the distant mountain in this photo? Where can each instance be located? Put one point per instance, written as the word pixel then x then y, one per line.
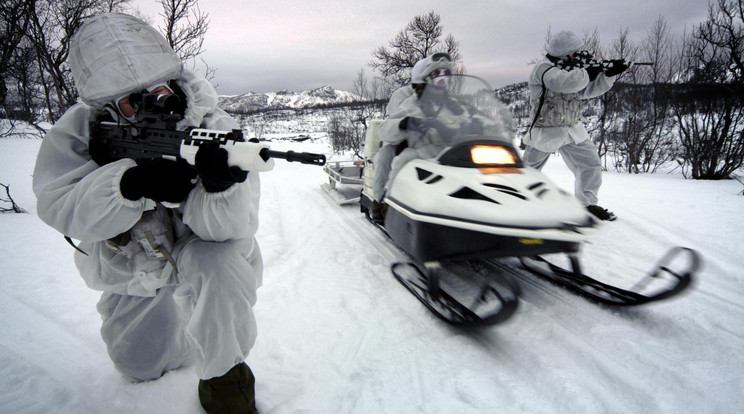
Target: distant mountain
pixel 253 101
pixel 277 112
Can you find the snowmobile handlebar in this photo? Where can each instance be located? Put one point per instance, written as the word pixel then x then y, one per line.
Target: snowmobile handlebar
pixel 475 127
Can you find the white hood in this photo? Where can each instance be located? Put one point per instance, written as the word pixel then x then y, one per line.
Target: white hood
pixel 115 54
pixel 564 43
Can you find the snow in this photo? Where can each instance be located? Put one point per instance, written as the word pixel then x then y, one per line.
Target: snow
pixel 338 334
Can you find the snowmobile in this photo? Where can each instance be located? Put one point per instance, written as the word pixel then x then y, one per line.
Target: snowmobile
pixel 459 214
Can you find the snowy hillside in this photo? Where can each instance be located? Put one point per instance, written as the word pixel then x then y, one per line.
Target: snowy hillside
pixel 308 112
pixel 253 101
pixel 338 334
pixel 286 113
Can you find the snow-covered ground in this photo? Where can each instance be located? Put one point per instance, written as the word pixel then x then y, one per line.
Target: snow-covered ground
pixel 338 334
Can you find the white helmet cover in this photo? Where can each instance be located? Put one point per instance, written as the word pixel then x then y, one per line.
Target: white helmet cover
pixel 114 54
pixel 564 43
pixel 429 64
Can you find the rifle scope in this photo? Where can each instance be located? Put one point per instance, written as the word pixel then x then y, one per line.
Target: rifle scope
pixel 154 104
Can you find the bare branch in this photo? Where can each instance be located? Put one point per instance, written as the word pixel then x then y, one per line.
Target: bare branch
pixel 421 37
pixel 14 208
pixel 185 26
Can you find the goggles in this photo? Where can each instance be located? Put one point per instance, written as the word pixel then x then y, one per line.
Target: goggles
pixel 439 72
pixel 128 111
pixel 438 77
pixel 441 57
pixel 160 89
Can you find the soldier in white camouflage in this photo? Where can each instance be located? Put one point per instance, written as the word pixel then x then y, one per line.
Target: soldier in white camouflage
pixel 556 102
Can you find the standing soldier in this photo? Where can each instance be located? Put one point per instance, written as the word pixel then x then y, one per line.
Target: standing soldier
pixel 555 102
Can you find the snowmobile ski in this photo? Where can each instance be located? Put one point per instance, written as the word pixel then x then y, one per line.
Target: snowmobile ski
pixel 464 294
pixel 672 275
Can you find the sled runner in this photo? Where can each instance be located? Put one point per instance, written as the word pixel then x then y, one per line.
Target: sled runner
pixel 346 172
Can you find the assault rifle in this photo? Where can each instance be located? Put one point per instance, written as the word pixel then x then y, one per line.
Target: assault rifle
pixel 586 60
pixel 154 135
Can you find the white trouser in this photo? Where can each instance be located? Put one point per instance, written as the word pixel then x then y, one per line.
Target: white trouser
pixel 382 163
pixel 206 319
pixel 583 161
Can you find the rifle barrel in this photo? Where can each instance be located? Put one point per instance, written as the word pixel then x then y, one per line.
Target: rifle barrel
pixel 291 156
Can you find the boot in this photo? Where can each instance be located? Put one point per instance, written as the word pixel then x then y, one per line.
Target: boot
pixel 232 393
pixel 378 212
pixel 601 213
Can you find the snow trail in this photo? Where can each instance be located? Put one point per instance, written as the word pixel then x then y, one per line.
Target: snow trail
pixel 338 334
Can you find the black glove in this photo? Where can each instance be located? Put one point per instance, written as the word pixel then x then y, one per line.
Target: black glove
pixel 410 123
pixel 454 107
pixel 159 180
pixel 442 129
pixel 216 175
pixel 475 127
pixel 617 66
pixel 593 71
pixel 422 125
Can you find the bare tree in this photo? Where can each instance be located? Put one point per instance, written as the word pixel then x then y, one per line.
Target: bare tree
pixel 593 44
pixel 724 31
pixel 34 70
pixel 709 106
pixel 372 98
pixel 656 140
pixel 640 134
pixel 345 134
pixel 53 23
pixel 14 20
pixel 419 39
pixel 184 27
pixel 347 127
pixel 257 123
pixel 26 97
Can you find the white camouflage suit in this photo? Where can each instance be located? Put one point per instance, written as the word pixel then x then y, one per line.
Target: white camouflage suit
pixel 559 127
pixel 385 155
pixel 428 144
pixel 155 318
pixel 405 103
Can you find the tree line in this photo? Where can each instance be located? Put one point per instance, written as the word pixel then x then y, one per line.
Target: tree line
pixel 684 110
pixel 35 81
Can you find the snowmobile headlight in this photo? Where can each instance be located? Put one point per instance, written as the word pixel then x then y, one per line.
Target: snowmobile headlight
pixel 492 155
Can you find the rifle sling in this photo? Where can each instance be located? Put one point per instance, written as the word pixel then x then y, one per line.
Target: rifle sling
pixel 542 100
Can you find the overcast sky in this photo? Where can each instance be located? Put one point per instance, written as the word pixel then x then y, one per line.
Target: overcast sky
pixel 270 45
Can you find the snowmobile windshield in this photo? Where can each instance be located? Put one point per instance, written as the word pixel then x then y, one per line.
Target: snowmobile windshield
pixel 464 108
